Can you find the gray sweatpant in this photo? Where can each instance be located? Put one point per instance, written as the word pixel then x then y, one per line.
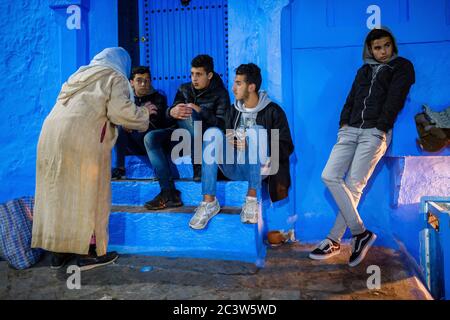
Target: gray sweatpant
pixel 354 156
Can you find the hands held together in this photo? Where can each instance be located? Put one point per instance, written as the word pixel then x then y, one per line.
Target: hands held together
pixel 152 109
pixel 183 111
pixel 236 140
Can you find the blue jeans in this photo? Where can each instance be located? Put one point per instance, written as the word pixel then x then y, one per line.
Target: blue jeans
pixel 128 143
pixel 348 169
pixel 188 124
pixel 243 167
pixel 158 145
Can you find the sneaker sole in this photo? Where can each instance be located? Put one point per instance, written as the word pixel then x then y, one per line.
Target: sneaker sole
pixel 58 267
pixel 203 227
pixel 364 252
pixel 324 257
pixel 121 178
pixel 93 266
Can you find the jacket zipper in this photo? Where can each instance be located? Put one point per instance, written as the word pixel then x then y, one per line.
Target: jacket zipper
pixel 196 96
pixel 237 119
pixel 381 66
pixel 374 75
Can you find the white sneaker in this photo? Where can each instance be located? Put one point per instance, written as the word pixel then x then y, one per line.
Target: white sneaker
pixel 250 210
pixel 204 212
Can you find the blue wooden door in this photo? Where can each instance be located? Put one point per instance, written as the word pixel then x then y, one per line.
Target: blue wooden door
pixel 171 34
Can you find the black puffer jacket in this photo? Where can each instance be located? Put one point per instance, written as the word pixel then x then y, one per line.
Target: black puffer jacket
pixel 378 93
pixel 214 101
pixel 272 117
pixel 159 120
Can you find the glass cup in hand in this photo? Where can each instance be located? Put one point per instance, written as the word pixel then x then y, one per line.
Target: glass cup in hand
pixel 240 133
pixel 192 108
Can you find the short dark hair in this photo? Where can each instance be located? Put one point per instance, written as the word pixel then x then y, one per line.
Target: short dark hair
pixel 203 61
pixel 252 74
pixel 376 34
pixel 140 70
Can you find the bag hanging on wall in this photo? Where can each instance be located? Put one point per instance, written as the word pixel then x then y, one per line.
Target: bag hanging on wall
pixel 433 129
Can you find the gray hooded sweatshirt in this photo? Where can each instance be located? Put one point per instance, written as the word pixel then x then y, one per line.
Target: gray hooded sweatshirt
pixel 368 57
pixel 248 116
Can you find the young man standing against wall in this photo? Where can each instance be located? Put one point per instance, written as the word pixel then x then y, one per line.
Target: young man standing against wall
pixel 203 99
pixel 252 112
pixel 131 142
pixel 377 95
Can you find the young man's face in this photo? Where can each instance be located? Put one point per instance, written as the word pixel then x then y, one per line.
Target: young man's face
pixel 241 88
pixel 200 79
pixel 382 49
pixel 141 84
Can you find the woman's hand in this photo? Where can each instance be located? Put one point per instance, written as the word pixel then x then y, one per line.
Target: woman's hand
pixel 152 109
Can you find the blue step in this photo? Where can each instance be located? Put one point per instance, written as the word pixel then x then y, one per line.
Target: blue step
pixel 137 192
pixel 138 167
pixel 136 231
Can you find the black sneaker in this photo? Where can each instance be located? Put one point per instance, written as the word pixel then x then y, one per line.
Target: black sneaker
pixel 91 262
pixel 326 249
pixel 165 199
pixel 360 245
pixel 118 174
pixel 197 172
pixel 59 260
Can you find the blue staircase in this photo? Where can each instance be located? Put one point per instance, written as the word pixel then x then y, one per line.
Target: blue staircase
pixel 136 230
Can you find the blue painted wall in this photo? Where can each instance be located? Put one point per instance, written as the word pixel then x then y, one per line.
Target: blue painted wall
pixel 30 80
pixel 38 53
pixel 326 49
pixel 309 52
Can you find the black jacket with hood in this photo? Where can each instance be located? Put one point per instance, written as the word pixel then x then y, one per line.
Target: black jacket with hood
pixel 214 101
pixel 271 116
pixel 378 92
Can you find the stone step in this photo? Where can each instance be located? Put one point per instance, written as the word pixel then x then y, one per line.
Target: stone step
pixel 139 167
pixel 183 209
pixel 135 230
pixel 137 192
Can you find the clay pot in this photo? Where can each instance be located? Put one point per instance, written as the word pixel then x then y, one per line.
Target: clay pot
pixel 275 237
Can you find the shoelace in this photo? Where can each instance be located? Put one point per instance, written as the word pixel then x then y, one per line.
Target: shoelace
pixel 201 211
pixel 324 243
